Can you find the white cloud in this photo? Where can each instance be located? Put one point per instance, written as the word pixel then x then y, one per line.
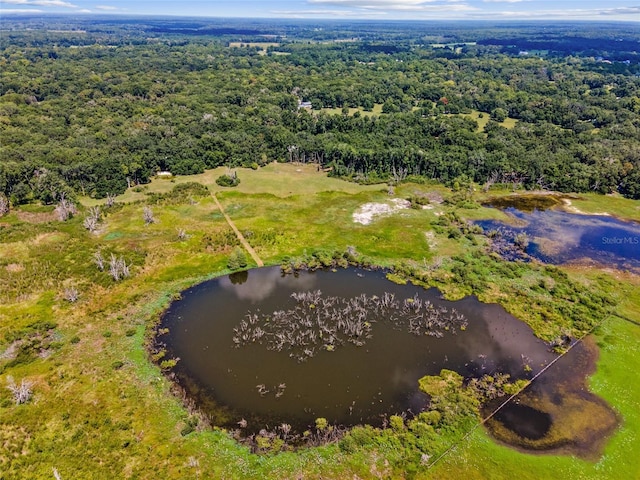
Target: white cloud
pixel 401 5
pixel 373 3
pixel 20 10
pixel 106 7
pixel 621 11
pixel 583 13
pixel 461 9
pixel 326 13
pixel 41 3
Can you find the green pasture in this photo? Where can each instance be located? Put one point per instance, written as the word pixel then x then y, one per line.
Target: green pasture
pixel 102 409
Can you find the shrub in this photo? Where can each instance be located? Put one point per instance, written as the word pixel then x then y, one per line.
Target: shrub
pixel 237 259
pixel 186 192
pixel 499 114
pixel 396 422
pixel 228 180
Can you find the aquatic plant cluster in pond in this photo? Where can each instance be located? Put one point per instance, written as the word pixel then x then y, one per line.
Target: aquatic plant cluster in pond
pixel 320 322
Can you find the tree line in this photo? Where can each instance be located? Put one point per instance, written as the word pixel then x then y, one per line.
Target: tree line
pixel 96 118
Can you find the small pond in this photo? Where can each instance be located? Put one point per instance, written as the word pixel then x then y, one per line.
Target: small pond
pixel 557 413
pixel 559 237
pixel 347 345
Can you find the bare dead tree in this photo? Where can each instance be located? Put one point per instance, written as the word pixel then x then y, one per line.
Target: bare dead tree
pixel 65 209
pixel 285 428
pixel 193 462
pixel 4 205
pixel 124 268
pixel 114 269
pixel 111 199
pixel 293 153
pixel 400 174
pixel 21 393
pixel 516 179
pixel 90 223
pixel 71 294
pixel 542 183
pixel 99 261
pixel 95 212
pixel 118 268
pixel 56 475
pixel 436 264
pixel 92 220
pixel 182 234
pixel 147 215
pixel 491 180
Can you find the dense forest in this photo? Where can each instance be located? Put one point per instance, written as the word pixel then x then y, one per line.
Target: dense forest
pixel 93 106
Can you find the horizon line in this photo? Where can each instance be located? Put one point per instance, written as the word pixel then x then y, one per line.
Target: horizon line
pixel 36 13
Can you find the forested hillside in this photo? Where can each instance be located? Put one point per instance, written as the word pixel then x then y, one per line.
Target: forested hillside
pixel 93 111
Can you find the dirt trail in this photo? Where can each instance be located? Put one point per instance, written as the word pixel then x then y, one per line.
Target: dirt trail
pixel 243 241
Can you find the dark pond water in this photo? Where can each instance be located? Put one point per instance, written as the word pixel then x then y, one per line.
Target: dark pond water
pixel 525 421
pixel 557 413
pixel 233 337
pixel 526 203
pixel 559 237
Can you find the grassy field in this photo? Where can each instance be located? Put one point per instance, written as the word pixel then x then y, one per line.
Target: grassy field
pixel 263 46
pixel 377 110
pixel 278 179
pixel 102 409
pixel 483 118
pixel 609 204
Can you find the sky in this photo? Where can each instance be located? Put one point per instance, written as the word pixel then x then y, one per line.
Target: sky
pixel 604 10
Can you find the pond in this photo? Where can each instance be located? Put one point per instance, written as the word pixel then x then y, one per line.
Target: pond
pixel 557 413
pixel 346 345
pixel 559 237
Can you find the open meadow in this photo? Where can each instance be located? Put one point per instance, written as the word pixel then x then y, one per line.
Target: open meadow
pixel 101 406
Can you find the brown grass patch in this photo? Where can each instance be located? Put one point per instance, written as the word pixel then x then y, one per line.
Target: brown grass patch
pixel 36 217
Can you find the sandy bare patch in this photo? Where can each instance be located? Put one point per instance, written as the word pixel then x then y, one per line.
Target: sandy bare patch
pixel 14 267
pixel 431 239
pixel 434 197
pixel 11 352
pixel 367 212
pixel 568 207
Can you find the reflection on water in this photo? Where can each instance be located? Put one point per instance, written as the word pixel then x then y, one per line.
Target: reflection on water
pixel 560 237
pixel 525 202
pixel 350 383
pixel 525 421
